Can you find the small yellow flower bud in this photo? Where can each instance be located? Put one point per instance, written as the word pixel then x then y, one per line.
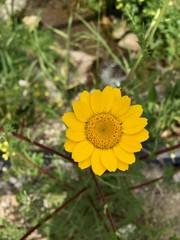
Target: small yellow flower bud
pixel 152 13
pixel 6 144
pixel 128 5
pixel 119 6
pixel 5 156
pixel 46 94
pixel 4 149
pixel 37 94
pixel 8 116
pixel 59 105
pixel 56 78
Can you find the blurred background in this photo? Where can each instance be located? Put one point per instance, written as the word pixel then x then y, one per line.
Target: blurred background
pixel 52 50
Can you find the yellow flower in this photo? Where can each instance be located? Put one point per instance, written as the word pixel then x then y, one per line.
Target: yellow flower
pixel 128 5
pixel 13 154
pixel 104 131
pixel 46 94
pixel 37 94
pixel 5 156
pixel 152 12
pixel 56 78
pixel 9 116
pixel 6 144
pixel 119 6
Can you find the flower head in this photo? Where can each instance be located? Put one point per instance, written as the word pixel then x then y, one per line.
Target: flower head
pixel 104 131
pixel 4 147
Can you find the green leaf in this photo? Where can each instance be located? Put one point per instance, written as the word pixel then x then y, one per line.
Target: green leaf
pixel 152 94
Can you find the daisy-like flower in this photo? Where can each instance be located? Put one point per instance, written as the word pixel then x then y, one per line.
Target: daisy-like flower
pixel 104 131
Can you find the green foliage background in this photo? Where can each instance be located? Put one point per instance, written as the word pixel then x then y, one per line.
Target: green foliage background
pixel 27 59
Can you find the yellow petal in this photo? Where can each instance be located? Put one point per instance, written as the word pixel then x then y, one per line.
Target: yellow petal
pixel 96 101
pixel 75 136
pixel 85 164
pixel 108 98
pixel 137 137
pixel 109 160
pixel 134 111
pixel 117 93
pixel 71 120
pixel 121 106
pixel 123 156
pixel 122 166
pixel 107 90
pixel 82 151
pixel 69 145
pixel 130 146
pixel 85 97
pixel 134 125
pixel 82 111
pixel 97 166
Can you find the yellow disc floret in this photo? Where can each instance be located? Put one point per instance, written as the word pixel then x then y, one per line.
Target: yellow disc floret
pixel 103 130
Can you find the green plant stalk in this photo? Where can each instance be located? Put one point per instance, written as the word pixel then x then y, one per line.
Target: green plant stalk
pixel 101 40
pixel 68 45
pixel 149 37
pixel 98 42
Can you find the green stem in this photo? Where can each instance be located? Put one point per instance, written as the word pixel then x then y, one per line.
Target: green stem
pixel 149 36
pixel 68 45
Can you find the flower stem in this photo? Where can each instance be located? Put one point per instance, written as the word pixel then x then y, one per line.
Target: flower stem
pixel 149 36
pixel 102 197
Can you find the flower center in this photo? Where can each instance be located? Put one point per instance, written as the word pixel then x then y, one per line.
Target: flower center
pixel 103 130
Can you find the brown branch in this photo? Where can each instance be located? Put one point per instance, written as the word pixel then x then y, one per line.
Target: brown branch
pixel 52 214
pixel 139 185
pixel 102 197
pixel 43 171
pixel 146 183
pixel 161 151
pixel 23 138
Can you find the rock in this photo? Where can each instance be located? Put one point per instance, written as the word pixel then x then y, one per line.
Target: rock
pixel 119 31
pixel 130 42
pixel 126 230
pixel 176 177
pixel 11 7
pixel 31 21
pixel 81 62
